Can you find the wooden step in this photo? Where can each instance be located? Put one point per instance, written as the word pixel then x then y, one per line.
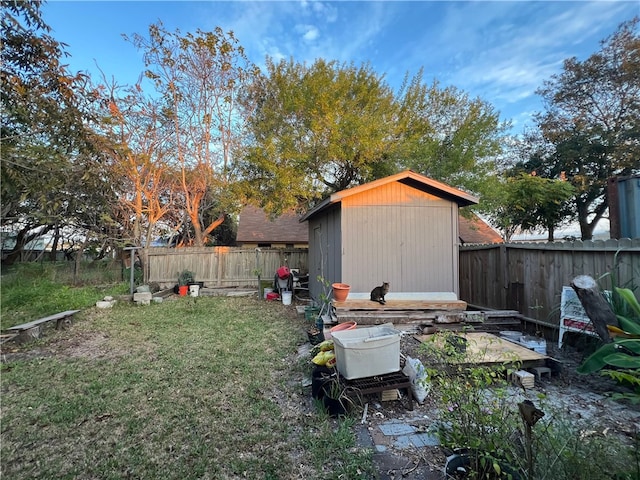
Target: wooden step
pixel 357 304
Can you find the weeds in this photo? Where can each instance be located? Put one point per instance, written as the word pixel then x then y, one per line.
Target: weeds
pixel 33 290
pixel 480 419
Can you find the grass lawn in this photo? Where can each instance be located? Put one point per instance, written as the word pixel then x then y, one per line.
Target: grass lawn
pixel 192 388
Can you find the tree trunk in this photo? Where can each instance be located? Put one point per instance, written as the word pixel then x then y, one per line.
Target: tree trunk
pixel 595 305
pixel 54 247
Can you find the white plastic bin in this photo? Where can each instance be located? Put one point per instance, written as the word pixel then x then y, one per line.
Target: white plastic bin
pixel 369 351
pixel 538 345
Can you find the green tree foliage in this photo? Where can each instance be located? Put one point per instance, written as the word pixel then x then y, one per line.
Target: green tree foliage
pixel 528 202
pixel 317 129
pixel 592 120
pixel 199 79
pixel 448 136
pixel 51 173
pixel 329 126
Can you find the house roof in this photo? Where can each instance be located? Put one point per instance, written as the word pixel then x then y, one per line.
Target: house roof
pixel 407 177
pixel 475 230
pixel 255 226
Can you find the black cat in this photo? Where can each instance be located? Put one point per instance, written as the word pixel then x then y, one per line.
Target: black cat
pixel 378 293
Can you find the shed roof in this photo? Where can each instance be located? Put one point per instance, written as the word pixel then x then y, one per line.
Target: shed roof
pixel 407 177
pixel 255 226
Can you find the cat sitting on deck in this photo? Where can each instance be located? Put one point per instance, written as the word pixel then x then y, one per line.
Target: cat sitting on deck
pixel 378 293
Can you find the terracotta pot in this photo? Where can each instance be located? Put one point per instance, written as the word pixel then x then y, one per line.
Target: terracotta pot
pixel 343 326
pixel 340 291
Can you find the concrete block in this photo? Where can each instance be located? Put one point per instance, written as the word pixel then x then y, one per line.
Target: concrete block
pixel 142 298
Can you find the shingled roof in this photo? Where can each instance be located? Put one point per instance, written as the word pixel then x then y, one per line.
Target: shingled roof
pixel 475 230
pixel 256 227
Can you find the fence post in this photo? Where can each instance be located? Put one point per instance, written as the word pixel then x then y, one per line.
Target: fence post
pixel 503 265
pixel 219 272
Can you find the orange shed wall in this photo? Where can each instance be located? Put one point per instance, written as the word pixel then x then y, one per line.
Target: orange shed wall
pixel 402 235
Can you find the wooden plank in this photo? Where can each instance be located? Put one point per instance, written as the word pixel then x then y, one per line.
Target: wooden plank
pixel 5 337
pixel 401 305
pixel 486 348
pixel 50 318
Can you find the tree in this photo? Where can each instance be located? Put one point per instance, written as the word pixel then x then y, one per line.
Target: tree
pixel 317 129
pixel 141 158
pixel 199 78
pixel 331 126
pixel 528 202
pixel 446 135
pixel 592 120
pixel 49 153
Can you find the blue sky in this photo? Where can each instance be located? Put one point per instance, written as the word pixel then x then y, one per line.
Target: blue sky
pixel 498 51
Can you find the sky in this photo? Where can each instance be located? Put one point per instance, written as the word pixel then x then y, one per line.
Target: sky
pixel 500 51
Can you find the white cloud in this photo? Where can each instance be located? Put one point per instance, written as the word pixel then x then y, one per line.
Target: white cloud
pixel 309 32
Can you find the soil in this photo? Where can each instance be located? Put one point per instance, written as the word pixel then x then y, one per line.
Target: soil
pixel 584 398
pixel 581 397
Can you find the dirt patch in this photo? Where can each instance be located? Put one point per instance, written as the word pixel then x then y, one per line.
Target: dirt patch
pixel 570 397
pixel 75 344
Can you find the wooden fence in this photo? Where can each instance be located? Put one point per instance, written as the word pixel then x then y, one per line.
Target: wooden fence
pixel 529 277
pixel 220 266
pixel 525 277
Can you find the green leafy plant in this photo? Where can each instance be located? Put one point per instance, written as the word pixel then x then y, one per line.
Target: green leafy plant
pixel 620 359
pixel 479 412
pixel 567 448
pixel 324 300
pixel 186 277
pixel 337 389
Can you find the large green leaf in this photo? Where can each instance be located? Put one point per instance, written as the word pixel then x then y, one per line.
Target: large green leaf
pixel 622 360
pixel 629 325
pixel 596 360
pixel 632 344
pixel 628 296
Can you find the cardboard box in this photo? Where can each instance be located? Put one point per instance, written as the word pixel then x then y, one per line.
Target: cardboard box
pixel 366 352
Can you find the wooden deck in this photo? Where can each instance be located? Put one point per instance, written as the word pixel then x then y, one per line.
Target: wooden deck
pixel 444 314
pixel 401 305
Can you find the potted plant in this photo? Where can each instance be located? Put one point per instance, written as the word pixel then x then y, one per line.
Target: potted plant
pixel 185 278
pixel 315 334
pixel 339 397
pixel 336 395
pixel 326 314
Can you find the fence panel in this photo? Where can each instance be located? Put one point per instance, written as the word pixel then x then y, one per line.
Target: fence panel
pixel 529 277
pixel 523 277
pixel 220 266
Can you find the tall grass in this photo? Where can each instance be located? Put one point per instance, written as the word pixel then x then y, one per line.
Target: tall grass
pixel 32 290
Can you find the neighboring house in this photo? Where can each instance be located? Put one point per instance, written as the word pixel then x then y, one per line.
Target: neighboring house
pixel 401 229
pixel 475 230
pixel 256 229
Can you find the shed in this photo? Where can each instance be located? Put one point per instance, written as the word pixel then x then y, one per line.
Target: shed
pixel 401 229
